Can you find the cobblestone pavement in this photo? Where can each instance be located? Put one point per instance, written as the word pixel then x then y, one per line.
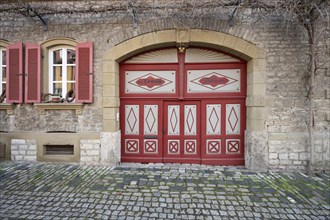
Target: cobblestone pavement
pixel 158 191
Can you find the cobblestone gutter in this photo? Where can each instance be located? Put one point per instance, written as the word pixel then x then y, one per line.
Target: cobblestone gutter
pixel 158 191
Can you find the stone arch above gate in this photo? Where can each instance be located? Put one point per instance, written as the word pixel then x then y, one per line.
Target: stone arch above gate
pixel 256 139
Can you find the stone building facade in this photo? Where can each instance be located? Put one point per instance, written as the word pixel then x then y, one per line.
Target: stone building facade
pixel 276 116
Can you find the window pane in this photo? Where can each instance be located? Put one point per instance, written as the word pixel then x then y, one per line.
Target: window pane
pixel 3 57
pixel 71 55
pixel 71 71
pixel 70 86
pixel 57 89
pixel 3 87
pixel 57 73
pixel 57 56
pixel 3 74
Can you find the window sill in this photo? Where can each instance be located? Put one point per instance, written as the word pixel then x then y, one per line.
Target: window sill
pixel 42 107
pixel 8 107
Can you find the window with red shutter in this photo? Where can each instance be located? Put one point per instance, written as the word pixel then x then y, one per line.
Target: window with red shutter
pixel 14 72
pixel 84 73
pixel 62 70
pixel 2 73
pixel 32 73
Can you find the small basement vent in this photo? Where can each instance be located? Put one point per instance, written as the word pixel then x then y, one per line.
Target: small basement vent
pixel 57 149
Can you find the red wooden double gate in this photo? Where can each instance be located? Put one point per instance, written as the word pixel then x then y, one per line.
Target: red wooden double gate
pixel 183 107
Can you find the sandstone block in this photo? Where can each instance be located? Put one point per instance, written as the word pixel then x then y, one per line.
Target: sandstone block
pixel 18 158
pixel 285 162
pixel 293 156
pixel 30 158
pixel 274 162
pixel 32 147
pixel 297 162
pixel 110 125
pixel 17 141
pixel 93 152
pixel 274 146
pixel 31 141
pixel 22 152
pixel 31 152
pixel 304 156
pixel 14 152
pixel 83 153
pixel 23 147
pixel 273 156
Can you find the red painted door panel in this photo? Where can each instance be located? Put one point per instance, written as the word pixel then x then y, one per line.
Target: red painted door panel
pixel 181 132
pixel 189 110
pixel 223 131
pixel 142 134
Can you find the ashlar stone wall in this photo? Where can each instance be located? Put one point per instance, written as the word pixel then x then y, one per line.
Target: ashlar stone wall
pixel 288 113
pixel 24 150
pixel 90 151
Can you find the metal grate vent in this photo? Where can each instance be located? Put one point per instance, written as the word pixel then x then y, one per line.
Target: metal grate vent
pixel 57 149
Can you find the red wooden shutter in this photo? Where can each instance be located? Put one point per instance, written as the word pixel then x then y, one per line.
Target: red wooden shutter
pixel 32 73
pixel 14 84
pixel 84 74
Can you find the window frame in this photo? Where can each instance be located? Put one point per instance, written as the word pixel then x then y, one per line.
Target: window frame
pixel 2 84
pixel 46 46
pixel 87 62
pixel 64 71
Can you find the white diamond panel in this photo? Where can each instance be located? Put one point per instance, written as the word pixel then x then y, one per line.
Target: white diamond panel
pixel 150 82
pixel 233 118
pixel 190 120
pixel 213 81
pixel 132 119
pixel 150 119
pixel 173 120
pixel 213 119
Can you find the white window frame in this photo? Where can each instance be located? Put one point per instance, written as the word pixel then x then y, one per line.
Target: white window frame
pixel 64 66
pixel 1 73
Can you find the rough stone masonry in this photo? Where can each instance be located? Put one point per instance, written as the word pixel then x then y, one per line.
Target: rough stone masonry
pixel 282 134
